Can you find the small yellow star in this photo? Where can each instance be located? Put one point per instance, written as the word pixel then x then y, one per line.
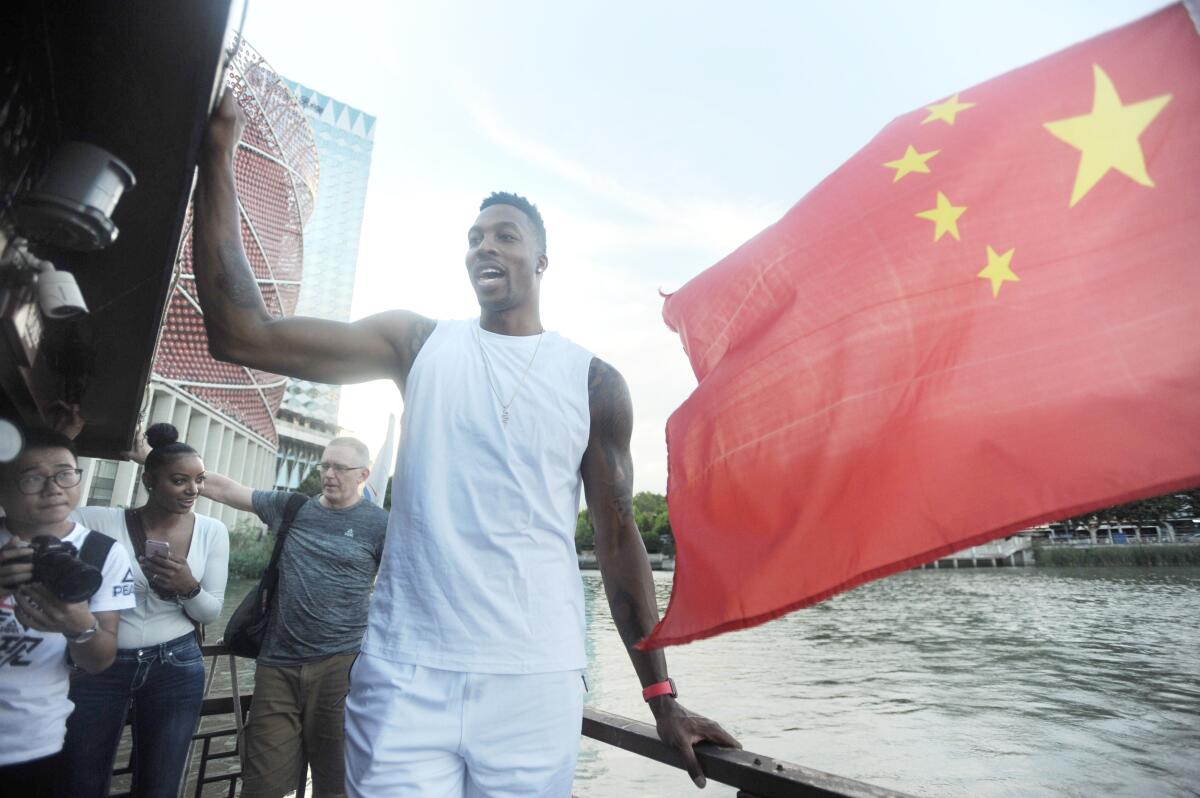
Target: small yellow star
pixel 912 161
pixel 998 270
pixel 945 111
pixel 944 216
pixel 1107 138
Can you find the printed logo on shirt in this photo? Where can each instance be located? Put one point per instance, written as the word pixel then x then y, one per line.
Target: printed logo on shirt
pixel 349 532
pixel 126 588
pixel 14 643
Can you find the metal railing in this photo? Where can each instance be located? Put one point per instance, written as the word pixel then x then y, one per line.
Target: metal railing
pixel 753 775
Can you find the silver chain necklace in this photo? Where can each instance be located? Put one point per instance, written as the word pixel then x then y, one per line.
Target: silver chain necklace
pixel 492 381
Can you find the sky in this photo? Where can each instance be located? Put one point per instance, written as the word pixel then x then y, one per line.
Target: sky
pixel 655 138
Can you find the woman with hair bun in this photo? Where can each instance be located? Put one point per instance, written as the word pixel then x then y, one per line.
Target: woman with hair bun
pixel 179 567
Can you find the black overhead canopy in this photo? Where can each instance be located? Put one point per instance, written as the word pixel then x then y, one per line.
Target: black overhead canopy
pixel 136 77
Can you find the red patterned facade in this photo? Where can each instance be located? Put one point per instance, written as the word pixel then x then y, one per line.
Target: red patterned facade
pixel 277 174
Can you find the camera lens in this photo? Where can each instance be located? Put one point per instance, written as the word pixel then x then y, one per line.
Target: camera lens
pixel 65 575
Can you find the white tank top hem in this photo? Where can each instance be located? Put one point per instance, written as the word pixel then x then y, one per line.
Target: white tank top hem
pixel 479 570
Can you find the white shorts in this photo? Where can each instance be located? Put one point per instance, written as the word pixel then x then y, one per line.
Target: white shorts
pixel 415 731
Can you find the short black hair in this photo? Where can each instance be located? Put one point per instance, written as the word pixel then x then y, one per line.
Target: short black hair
pixel 40 438
pixel 524 206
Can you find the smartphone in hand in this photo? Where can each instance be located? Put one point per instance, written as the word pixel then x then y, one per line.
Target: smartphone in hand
pixel 159 548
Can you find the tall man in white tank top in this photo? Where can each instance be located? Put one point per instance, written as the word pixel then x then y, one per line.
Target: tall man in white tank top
pixel 469 682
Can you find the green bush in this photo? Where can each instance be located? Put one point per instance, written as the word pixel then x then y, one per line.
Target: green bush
pixel 1149 555
pixel 652 542
pixel 650 515
pixel 585 536
pixel 249 550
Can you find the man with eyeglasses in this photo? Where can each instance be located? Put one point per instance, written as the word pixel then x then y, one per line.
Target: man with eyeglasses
pixel 38 630
pixel 326 573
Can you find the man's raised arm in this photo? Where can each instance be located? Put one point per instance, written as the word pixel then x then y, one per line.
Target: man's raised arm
pixel 608 484
pixel 224 490
pixel 240 329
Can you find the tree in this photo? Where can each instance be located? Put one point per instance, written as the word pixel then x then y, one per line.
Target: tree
pixel 646 507
pixel 311 484
pixel 649 513
pixel 662 529
pixel 1168 507
pixel 585 536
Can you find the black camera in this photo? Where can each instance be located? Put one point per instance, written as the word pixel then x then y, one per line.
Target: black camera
pixel 57 566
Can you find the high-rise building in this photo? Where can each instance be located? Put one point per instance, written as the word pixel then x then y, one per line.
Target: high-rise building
pixel 345 137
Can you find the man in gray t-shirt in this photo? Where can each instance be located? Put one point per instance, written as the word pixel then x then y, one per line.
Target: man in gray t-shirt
pixel 326 572
pixel 318 617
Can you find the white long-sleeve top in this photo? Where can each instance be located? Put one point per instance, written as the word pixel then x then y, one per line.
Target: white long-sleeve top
pixel 154 620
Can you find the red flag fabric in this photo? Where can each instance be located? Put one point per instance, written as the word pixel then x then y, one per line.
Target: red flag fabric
pixel 984 320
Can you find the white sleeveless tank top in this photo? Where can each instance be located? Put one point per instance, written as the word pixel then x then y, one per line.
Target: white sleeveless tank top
pixel 479 571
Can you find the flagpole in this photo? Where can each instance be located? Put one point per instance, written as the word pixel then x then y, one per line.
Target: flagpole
pixel 376 487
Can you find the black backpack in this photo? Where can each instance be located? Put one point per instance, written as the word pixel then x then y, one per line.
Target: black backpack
pixel 247 626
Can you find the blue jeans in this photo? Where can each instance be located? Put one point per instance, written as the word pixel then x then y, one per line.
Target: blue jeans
pixel 165 685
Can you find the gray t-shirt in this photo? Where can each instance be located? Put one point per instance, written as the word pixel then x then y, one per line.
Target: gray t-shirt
pixel 326 573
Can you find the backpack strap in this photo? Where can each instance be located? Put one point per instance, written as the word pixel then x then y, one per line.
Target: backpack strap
pixel 290 510
pixel 95 549
pixel 270 577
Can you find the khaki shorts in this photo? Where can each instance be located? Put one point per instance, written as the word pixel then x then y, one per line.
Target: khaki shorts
pixel 296 709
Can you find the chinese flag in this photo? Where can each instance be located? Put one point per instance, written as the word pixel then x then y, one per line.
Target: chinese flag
pixel 988 318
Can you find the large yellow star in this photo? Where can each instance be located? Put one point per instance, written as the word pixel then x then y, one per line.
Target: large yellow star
pixel 945 111
pixel 912 161
pixel 998 270
pixel 944 216
pixel 1108 136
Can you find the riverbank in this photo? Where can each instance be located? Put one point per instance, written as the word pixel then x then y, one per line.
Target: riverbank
pixel 658 561
pixel 249 554
pixel 1157 555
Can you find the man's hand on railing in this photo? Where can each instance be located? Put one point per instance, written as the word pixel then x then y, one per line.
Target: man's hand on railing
pixel 681 729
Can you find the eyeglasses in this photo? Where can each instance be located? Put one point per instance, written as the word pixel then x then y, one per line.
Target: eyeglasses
pixel 36 483
pixel 325 468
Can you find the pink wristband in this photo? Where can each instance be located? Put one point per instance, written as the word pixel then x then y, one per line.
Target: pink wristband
pixel 660 688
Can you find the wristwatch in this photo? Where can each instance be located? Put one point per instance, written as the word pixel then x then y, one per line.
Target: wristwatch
pixel 191 594
pixel 85 635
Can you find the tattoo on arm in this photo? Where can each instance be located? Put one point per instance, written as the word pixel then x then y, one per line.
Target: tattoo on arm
pixel 608 480
pixel 418 334
pixel 612 428
pixel 625 617
pixel 236 279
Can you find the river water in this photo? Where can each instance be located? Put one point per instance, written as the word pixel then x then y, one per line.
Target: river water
pixel 1009 682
